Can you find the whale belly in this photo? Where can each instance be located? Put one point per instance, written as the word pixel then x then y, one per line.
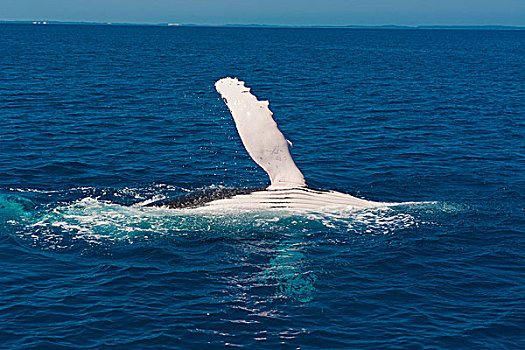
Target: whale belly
pixel 291 199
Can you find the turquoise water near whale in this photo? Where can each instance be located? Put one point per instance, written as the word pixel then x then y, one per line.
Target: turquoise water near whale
pixel 98 120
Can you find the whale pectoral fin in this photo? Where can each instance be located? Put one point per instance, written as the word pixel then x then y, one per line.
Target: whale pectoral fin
pixel 259 134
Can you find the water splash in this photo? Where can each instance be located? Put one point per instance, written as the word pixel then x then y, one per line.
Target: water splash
pixel 102 216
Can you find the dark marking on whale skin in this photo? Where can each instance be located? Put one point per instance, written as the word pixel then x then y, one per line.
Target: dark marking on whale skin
pixel 200 198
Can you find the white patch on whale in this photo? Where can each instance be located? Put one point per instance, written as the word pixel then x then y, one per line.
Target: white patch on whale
pixel 260 135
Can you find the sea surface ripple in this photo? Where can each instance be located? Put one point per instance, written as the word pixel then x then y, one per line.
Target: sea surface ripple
pixel 98 120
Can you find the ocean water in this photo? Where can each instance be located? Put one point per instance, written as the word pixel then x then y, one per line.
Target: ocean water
pixel 98 120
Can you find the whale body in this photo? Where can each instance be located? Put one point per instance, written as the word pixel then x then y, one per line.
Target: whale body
pixel 267 146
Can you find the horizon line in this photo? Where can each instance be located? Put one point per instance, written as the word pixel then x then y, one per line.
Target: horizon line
pixel 350 26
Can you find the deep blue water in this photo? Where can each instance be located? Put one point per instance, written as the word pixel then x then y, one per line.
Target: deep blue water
pixel 98 119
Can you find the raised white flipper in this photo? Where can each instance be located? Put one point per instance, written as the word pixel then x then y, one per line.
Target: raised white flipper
pixel 260 135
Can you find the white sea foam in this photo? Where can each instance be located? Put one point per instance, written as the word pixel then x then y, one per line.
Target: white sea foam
pixel 96 221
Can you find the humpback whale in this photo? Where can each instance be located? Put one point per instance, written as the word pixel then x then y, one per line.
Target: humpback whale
pixel 267 146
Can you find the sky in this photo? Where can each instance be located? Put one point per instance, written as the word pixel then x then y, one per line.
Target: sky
pixel 272 12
